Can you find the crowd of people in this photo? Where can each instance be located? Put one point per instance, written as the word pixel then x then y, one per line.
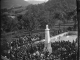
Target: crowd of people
pixel 25 49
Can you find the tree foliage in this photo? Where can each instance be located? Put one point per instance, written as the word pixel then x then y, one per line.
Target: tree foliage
pixel 37 16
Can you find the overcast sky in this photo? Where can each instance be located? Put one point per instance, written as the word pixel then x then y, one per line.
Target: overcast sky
pixel 36 1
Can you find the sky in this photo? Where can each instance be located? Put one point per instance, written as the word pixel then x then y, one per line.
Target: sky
pixel 36 1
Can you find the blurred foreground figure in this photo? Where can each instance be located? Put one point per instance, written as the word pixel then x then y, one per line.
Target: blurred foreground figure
pixel 47 41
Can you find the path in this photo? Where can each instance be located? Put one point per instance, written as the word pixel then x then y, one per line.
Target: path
pixel 62 36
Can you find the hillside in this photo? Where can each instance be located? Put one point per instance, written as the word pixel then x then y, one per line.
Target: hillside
pixel 35 17
pixel 13 3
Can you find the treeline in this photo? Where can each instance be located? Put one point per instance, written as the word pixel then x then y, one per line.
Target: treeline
pixel 37 16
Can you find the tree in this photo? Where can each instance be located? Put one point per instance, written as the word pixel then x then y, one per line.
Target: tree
pixel 69 28
pixel 7 23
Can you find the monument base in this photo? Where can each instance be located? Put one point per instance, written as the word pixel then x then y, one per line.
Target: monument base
pixel 48 48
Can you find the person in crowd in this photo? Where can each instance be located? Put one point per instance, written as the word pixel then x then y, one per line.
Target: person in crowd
pixel 67 50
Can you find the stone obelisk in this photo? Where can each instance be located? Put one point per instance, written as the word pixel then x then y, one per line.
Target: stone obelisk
pixel 47 40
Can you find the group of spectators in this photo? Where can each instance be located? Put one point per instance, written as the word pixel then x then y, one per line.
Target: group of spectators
pixel 25 49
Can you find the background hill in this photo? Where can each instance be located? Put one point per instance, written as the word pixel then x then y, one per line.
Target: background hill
pixel 35 17
pixel 13 3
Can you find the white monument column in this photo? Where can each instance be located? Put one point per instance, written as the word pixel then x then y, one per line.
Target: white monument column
pixel 47 40
pixel 47 35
